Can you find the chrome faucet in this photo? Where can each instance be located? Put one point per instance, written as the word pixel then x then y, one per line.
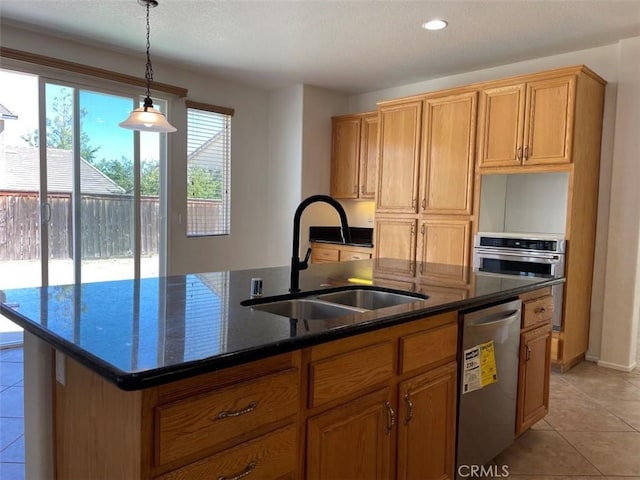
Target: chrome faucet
pixel 296 263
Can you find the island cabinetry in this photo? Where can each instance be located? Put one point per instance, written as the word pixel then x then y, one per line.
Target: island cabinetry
pixel 353 155
pixel 535 359
pixel 375 401
pixel 218 425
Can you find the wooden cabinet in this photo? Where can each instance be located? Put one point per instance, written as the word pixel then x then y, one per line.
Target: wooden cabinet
pixel 527 123
pixel 448 152
pixel 426 417
pixel 444 242
pixel 353 155
pixel 223 424
pixel 330 252
pixel 370 420
pixel 399 157
pixel 535 359
pixel 352 441
pixel 443 203
pixel 395 237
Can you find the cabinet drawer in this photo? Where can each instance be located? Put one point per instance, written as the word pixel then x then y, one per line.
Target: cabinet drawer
pixel 348 373
pixel 199 423
pixel 537 311
pixel 347 255
pixel 271 456
pixel 427 347
pixel 320 254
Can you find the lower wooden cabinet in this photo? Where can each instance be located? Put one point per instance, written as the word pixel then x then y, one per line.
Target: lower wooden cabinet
pixel 352 441
pixel 427 425
pixel 271 456
pixel 328 252
pixel 534 370
pixel 400 426
pixel 533 377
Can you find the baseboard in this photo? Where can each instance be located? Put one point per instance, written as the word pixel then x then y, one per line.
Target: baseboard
pixel 615 366
pixel 591 358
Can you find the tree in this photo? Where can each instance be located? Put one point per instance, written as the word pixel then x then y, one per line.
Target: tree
pixel 60 128
pixel 204 183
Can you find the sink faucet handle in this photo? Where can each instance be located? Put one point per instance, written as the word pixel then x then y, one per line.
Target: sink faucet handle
pixel 305 263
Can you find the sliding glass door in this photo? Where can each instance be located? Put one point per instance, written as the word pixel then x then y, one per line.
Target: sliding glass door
pixel 80 197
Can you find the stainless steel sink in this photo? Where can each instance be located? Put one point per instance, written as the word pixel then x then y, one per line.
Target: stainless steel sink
pixel 306 309
pixel 368 299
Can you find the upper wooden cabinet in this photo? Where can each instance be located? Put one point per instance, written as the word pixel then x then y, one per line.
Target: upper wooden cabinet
pixel 528 123
pixel 399 157
pixel 354 150
pixel 448 150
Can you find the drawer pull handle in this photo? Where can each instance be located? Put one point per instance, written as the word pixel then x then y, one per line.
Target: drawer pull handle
pixel 250 408
pixel 539 310
pixel 409 416
pixel 528 355
pixel 391 418
pixel 250 468
pixel 355 257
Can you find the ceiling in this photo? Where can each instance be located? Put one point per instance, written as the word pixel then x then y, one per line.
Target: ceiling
pixel 348 46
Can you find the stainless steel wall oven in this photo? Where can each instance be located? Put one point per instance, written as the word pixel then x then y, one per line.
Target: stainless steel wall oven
pixel 523 254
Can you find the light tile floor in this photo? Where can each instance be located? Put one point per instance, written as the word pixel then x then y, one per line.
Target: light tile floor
pixel 11 414
pixel 592 430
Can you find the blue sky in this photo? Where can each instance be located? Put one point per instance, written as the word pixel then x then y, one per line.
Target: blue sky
pixel 19 93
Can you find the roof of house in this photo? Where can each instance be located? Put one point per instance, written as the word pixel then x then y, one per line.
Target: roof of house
pixel 19 171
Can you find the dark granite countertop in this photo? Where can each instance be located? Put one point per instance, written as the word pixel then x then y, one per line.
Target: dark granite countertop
pixel 141 333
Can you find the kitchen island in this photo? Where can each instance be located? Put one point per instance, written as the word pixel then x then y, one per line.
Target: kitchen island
pixel 174 378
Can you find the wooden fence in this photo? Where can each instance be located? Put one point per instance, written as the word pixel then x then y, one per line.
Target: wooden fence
pixel 106 223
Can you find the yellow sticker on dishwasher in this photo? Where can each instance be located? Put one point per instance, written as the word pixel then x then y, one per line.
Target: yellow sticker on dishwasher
pixel 488 371
pixel 479 367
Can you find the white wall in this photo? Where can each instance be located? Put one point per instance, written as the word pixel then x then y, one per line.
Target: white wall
pixel 612 62
pixel 250 191
pixel 622 280
pixel 531 203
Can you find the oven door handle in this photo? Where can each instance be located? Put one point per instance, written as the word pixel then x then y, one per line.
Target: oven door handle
pixel 528 257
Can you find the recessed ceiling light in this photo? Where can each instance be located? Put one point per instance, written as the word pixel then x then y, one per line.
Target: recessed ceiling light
pixel 436 24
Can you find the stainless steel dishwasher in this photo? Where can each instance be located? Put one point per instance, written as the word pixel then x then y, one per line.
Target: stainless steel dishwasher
pixel 487 410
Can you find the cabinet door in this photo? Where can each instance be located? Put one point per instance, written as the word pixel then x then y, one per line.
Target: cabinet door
pixel 368 155
pixel 448 152
pixel 533 377
pixel 444 249
pixel 548 133
pixel 345 157
pixel 501 126
pixel 426 425
pixel 399 156
pixel 352 441
pixel 395 244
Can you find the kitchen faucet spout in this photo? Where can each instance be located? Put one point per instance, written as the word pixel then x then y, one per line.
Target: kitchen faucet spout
pixel 296 263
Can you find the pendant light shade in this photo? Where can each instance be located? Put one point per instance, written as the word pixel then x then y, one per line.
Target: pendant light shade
pixel 147 118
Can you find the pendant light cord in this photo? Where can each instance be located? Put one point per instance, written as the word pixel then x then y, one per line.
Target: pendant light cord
pixel 148 74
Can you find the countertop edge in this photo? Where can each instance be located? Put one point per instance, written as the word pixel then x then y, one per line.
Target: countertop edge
pixel 145 379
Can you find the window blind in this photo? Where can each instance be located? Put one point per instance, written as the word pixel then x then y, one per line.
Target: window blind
pixel 208 172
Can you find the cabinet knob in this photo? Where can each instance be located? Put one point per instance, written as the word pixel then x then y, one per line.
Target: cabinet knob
pixel 526 153
pixel 528 355
pixel 424 204
pixel 519 154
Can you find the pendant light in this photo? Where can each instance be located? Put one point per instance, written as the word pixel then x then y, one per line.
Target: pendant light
pixel 147 118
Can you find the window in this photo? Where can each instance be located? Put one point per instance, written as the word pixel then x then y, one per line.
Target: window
pixel 208 170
